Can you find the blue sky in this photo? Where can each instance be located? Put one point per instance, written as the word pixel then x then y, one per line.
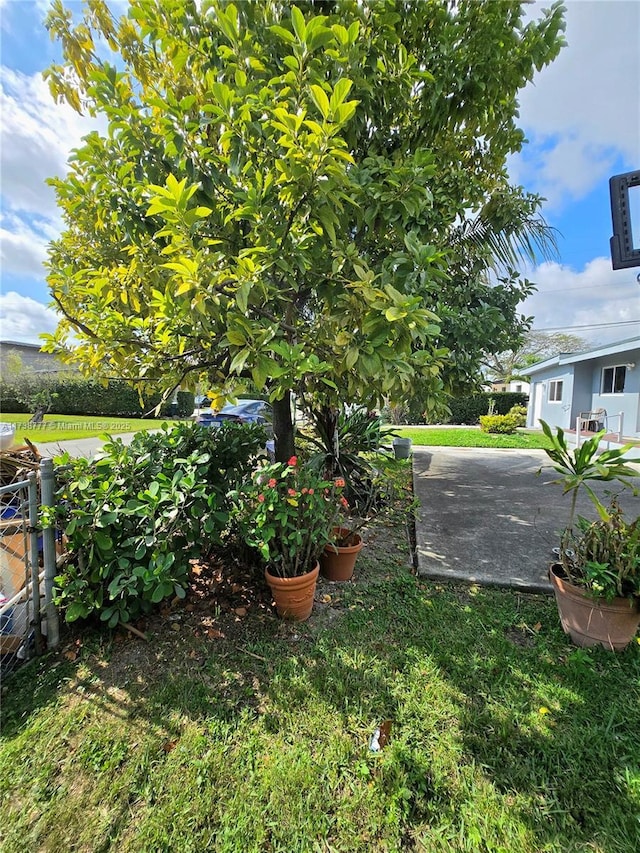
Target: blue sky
pixel 581 117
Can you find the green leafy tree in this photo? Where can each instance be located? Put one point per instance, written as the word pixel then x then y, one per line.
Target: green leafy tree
pixel 33 389
pixel 535 347
pixel 274 197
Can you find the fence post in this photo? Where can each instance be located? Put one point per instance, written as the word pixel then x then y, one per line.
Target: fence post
pixel 32 492
pixel 47 490
pixel 620 426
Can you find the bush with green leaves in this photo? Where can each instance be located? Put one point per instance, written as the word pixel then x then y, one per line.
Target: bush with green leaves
pixel 134 516
pixel 603 556
pixel 467 410
pixel 74 395
pixel 361 438
pixel 505 424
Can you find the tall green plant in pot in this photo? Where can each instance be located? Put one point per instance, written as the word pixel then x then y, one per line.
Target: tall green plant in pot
pixel 597 579
pixel 287 514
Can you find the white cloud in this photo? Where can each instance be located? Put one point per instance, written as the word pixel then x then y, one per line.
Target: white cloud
pixel 23 245
pixel 19 254
pixel 592 297
pixel 582 112
pixel 36 137
pixel 24 319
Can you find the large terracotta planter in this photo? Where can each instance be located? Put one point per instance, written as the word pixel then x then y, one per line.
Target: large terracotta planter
pixel 338 561
pixel 294 596
pixel 592 621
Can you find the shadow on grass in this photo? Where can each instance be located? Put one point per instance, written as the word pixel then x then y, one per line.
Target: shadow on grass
pixel 493 713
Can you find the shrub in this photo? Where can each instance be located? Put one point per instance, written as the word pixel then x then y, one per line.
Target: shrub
pixel 497 423
pixel 519 414
pixel 361 437
pixel 136 515
pixel 515 417
pixel 467 410
pixel 74 395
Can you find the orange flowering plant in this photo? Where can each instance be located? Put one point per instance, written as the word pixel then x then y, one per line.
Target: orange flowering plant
pixel 288 513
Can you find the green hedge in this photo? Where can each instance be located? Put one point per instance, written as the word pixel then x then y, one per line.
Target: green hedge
pixel 9 402
pixel 136 516
pixel 467 410
pixel 77 396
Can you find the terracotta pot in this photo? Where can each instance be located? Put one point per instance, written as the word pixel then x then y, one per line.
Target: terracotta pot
pixel 593 621
pixel 294 596
pixel 337 561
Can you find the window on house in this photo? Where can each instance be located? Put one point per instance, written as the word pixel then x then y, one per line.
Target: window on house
pixel 613 379
pixel 555 390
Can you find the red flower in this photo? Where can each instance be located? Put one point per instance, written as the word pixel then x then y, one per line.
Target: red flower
pixel 340 482
pixel 292 492
pixel 305 490
pixel 344 502
pixel 271 483
pixel 293 461
pixel 310 491
pixel 261 499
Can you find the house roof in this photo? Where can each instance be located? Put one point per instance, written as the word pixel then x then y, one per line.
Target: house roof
pixel 573 357
pixel 19 344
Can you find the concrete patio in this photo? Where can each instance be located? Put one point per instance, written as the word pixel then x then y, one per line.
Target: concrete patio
pixel 486 516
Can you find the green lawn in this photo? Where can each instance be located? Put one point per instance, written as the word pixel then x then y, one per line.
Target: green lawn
pixel 460 437
pixel 65 427
pixel 233 731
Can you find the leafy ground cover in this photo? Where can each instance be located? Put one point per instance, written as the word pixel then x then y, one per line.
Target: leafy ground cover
pixel 230 730
pixel 69 427
pixel 470 437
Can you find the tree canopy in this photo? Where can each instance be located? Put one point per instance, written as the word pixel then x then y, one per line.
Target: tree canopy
pixel 535 347
pixel 279 194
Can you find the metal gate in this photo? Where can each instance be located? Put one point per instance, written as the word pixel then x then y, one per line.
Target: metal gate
pixel 28 615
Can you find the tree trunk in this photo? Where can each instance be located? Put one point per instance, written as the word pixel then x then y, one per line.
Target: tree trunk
pixel 38 416
pixel 283 429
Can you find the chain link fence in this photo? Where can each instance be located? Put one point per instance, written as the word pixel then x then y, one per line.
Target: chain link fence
pixel 28 615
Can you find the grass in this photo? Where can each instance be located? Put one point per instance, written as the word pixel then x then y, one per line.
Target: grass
pixel 504 738
pixel 70 427
pixel 460 437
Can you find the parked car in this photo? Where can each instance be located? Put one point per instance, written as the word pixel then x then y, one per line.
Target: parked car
pixel 244 412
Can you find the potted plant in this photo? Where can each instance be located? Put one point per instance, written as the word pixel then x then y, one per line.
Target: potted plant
pixel 597 579
pixel 338 558
pixel 287 513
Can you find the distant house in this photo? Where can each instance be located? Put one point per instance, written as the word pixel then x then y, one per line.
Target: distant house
pixel 31 357
pixel 517 386
pixel 603 382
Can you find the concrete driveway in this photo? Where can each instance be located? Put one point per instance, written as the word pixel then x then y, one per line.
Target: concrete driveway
pixel 486 517
pixel 78 446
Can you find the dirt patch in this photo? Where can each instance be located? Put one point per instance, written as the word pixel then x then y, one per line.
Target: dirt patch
pixel 521 635
pixel 228 608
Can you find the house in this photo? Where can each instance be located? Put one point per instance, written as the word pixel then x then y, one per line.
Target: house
pixel 568 385
pixel 517 386
pixel 29 356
